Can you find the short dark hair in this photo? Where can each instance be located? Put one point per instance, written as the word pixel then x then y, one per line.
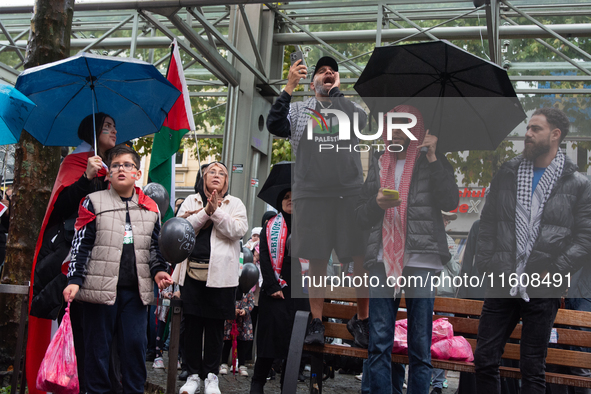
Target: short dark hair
pixel 556 119
pixel 85 128
pixel 123 149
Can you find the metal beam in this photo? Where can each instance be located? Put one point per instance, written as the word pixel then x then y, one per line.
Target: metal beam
pixel 379 26
pixel 219 36
pixel 210 38
pixel 547 29
pixel 316 38
pixel 22 33
pixel 134 34
pixel 404 18
pixel 130 5
pixel 492 28
pixel 212 55
pixel 449 33
pixel 11 41
pixel 8 73
pixel 556 51
pixel 107 34
pixel 352 36
pixel 252 40
pixel 219 74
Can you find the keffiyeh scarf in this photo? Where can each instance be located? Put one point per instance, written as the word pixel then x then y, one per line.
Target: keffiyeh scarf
pixel 529 210
pixel 394 224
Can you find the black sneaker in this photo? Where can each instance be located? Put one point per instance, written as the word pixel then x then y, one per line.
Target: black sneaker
pixel 183 375
pixel 360 331
pixel 315 333
pixel 436 390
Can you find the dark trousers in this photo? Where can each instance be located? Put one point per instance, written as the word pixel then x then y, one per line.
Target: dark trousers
pixel 127 317
pixel 242 348
pixel 499 318
pixel 195 326
pixel 262 367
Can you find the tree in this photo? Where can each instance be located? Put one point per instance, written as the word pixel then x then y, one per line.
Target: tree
pixel 36 168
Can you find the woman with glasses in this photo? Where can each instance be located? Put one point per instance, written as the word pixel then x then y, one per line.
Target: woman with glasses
pixel 209 277
pixel 82 172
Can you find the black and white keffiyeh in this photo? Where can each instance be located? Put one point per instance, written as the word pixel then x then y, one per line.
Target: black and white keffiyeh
pixel 529 210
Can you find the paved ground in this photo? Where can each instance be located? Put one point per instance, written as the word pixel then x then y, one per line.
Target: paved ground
pixel 341 384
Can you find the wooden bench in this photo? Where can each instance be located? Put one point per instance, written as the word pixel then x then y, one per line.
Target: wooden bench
pixel 466 326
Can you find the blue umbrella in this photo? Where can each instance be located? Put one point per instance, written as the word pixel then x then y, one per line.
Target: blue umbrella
pixel 132 91
pixel 15 108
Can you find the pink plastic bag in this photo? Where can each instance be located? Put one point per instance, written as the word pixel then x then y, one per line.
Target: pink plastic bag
pixel 58 372
pixel 442 329
pixel 456 348
pixel 400 339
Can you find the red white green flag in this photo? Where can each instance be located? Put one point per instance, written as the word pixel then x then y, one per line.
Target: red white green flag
pixel 167 142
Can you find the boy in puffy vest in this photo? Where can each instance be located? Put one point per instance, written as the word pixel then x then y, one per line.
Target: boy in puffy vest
pixel 115 257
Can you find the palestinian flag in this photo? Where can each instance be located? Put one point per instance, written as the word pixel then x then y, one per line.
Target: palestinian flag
pixel 167 142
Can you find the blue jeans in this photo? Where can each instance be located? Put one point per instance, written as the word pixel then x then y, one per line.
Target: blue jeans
pixel 379 374
pixel 498 319
pixel 127 318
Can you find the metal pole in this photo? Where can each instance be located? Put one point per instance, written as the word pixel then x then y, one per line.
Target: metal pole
pixel 379 24
pixel 173 350
pixel 134 37
pixel 254 170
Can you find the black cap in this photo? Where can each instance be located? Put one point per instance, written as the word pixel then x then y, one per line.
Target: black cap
pixel 326 61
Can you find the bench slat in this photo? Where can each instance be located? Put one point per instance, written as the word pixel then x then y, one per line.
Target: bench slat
pixel 460 366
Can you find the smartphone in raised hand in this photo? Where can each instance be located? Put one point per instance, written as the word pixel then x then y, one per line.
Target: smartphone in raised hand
pixel 392 194
pixel 295 56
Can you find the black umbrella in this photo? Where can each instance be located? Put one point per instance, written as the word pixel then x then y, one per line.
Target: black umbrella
pixel 279 179
pixel 467 102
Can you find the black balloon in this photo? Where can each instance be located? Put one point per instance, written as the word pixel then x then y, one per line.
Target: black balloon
pixel 246 255
pixel 248 277
pixel 159 194
pixel 177 240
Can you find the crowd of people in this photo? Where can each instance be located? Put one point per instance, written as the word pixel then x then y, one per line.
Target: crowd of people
pixel 537 219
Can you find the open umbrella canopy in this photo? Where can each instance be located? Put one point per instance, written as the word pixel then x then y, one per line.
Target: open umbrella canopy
pixel 279 179
pixel 15 108
pixel 133 92
pixel 467 102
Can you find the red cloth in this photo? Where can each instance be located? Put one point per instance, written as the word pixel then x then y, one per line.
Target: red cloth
pixel 39 334
pixel 394 225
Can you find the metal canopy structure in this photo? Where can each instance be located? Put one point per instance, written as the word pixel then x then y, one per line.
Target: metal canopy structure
pixel 234 53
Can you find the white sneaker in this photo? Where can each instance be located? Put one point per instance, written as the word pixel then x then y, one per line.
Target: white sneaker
pixel 192 385
pixel 359 377
pixel 211 384
pixel 178 365
pixel 243 371
pixel 224 369
pixel 158 363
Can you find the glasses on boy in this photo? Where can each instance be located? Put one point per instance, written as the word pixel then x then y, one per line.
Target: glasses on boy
pixel 126 166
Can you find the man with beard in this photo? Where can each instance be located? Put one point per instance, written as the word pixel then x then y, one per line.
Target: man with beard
pixel 535 226
pixel 325 185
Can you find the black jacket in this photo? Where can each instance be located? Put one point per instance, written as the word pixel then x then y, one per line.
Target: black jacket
pixel 564 238
pixel 57 239
pixel 432 189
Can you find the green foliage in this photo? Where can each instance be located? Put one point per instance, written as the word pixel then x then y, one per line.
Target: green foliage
pixel 479 167
pixel 281 151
